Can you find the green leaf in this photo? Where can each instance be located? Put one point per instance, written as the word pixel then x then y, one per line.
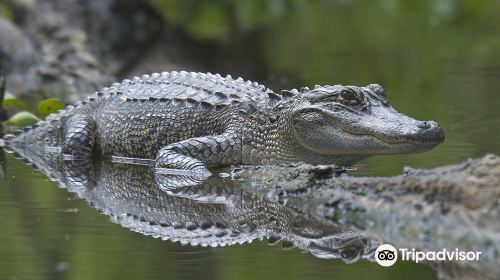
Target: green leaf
pixel 49 106
pixel 11 100
pixel 23 118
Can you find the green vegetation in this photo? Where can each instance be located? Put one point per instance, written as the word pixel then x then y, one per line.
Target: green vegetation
pixel 21 119
pixel 218 20
pixel 12 101
pixel 21 115
pixel 5 12
pixel 49 106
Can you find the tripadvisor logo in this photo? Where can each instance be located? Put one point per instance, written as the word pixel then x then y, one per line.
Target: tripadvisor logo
pixel 387 255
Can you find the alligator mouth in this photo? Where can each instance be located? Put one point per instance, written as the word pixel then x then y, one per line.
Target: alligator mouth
pixel 427 141
pixel 401 140
pixel 428 134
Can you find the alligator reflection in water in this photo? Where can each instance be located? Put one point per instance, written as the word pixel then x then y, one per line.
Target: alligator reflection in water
pixel 307 207
pixel 217 212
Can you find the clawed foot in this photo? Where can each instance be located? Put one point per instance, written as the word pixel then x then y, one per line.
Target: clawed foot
pixel 171 163
pixel 174 171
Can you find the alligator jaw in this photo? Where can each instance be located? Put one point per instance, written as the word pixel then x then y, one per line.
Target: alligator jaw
pixel 422 140
pixel 386 131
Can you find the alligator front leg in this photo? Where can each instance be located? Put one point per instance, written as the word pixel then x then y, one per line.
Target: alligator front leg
pixel 79 136
pixel 196 154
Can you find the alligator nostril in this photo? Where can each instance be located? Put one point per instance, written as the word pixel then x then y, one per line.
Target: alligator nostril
pixel 430 131
pixel 424 125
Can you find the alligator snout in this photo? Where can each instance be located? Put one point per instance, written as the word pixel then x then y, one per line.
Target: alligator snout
pixel 428 132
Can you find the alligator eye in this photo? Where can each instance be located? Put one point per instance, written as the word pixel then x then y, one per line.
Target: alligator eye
pixel 350 253
pixel 350 97
pixel 348 94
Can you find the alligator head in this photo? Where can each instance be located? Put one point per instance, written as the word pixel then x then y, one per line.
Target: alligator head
pixel 325 240
pixel 355 122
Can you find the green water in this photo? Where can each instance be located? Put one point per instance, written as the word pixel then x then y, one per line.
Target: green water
pixel 437 60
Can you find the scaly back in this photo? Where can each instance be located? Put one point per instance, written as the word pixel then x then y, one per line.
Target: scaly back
pixel 200 87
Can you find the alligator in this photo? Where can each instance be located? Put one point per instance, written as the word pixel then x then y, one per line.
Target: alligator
pixel 195 121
